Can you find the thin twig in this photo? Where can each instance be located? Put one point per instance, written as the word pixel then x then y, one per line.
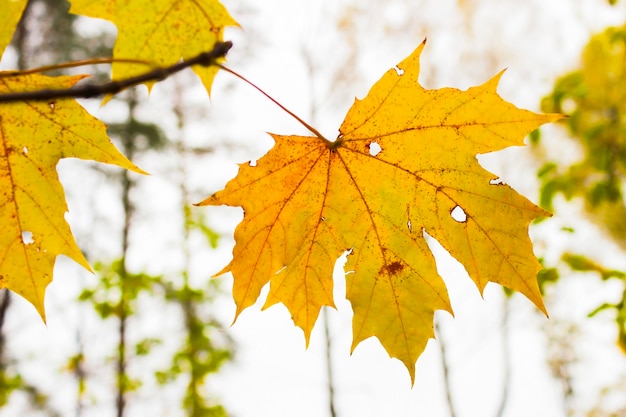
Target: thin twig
pixel 74 64
pixel 128 207
pixel 5 301
pixel 446 369
pixel 204 59
pixel 506 357
pixel 329 365
pixel 311 129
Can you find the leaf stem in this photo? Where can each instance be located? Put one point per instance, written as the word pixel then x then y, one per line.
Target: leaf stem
pixel 79 63
pixel 310 128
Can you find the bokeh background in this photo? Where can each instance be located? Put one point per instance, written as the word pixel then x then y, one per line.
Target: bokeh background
pixel 150 333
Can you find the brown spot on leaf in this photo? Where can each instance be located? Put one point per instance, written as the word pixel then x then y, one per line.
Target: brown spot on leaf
pixel 393 268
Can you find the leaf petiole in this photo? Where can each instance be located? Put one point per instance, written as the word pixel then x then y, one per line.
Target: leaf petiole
pixel 310 128
pixel 79 63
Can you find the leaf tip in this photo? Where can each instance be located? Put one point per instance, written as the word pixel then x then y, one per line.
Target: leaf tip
pixel 410 367
pixel 538 302
pixel 42 314
pixel 37 300
pixel 492 84
pixel 307 338
pixel 237 313
pixel 224 270
pixel 420 48
pixel 138 170
pixel 553 117
pixel 205 202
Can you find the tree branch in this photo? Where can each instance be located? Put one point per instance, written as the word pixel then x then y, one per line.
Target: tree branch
pixel 506 357
pixel 329 365
pixel 204 59
pixel 446 369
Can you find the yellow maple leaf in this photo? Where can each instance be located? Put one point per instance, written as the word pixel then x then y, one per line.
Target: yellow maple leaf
pixel 160 31
pixel 9 18
pixel 33 137
pixel 404 163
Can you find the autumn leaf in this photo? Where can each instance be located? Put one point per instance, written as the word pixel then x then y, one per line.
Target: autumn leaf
pixel 33 137
pixel 9 18
pixel 160 31
pixel 404 164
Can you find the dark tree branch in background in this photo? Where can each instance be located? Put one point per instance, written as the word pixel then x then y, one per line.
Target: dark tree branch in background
pixel 446 369
pixel 506 357
pixel 128 208
pixel 5 301
pixel 329 365
pixel 204 59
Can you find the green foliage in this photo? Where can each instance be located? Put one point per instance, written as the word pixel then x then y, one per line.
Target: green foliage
pixel 594 97
pixel 547 276
pixel 117 290
pixel 582 263
pixel 146 136
pixel 596 104
pixel 195 219
pixel 200 354
pixel 9 382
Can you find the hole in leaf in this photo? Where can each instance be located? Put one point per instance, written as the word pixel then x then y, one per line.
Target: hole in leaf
pixel 409 225
pixel 344 256
pixel 346 253
pixel 27 237
pixel 399 70
pixel 25 150
pixel 497 181
pixel 52 104
pixel 280 270
pixel 374 148
pixel 458 214
pixel 252 163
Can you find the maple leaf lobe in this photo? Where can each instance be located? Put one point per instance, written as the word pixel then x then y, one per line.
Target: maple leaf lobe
pixel 9 18
pixel 160 31
pixel 33 137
